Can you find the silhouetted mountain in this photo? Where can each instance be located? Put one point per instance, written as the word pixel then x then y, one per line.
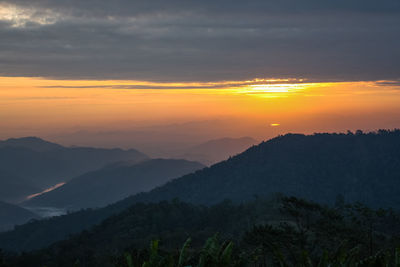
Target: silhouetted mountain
pixel 113 183
pixel 14 189
pixel 320 167
pixel 33 143
pixel 360 167
pixel 50 164
pixel 218 150
pixel 11 215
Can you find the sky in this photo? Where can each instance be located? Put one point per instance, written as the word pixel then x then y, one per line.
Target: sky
pixel 71 70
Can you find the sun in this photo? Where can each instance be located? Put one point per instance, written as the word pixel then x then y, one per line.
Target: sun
pixel 272 90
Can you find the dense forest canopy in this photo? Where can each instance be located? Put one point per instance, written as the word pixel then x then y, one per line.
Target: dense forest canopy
pixel 262 232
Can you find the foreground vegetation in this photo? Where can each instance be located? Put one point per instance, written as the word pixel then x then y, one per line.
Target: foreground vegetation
pixel 276 232
pixel 221 254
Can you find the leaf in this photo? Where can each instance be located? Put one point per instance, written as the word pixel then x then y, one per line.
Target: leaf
pixel 226 256
pixel 183 253
pixel 129 260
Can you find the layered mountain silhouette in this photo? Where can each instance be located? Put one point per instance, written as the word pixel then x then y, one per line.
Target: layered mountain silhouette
pixel 217 150
pixel 11 215
pixel 112 183
pixel 45 164
pixel 320 167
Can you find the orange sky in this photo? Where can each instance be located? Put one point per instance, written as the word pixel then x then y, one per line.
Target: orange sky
pixel 34 106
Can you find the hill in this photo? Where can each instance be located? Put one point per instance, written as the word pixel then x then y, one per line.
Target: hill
pixel 320 167
pixel 112 183
pixel 217 150
pixel 280 231
pixel 11 215
pixel 14 189
pixel 146 218
pixel 45 164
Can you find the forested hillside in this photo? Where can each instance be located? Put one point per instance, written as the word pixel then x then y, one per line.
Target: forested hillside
pixel 280 231
pixel 319 167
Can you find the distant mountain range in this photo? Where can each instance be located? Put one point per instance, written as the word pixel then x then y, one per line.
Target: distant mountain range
pixel 43 164
pixel 218 150
pixel 112 183
pixel 33 143
pixel 164 140
pixel 11 215
pixel 320 167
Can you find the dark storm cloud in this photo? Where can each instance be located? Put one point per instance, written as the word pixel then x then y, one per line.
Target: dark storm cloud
pixel 201 40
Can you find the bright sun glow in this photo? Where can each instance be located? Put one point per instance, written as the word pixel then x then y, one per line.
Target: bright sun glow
pixel 280 89
pixel 275 88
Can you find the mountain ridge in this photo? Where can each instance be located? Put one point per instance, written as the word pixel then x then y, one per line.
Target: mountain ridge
pixel 112 183
pixel 31 142
pixel 11 215
pixel 52 164
pixel 14 189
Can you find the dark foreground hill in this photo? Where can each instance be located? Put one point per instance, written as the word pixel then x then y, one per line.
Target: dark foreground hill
pixel 320 167
pixel 45 164
pixel 11 215
pixel 277 232
pixel 112 183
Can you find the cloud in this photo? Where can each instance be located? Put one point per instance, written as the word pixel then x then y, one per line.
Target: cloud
pixel 187 85
pixel 206 40
pixel 388 83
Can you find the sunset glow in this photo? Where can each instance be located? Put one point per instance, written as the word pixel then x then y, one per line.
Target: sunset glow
pixel 46 106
